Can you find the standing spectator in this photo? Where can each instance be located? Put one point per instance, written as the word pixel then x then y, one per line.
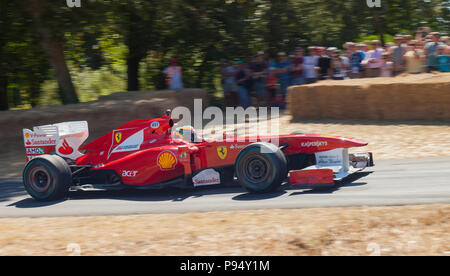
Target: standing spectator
pixel 324 64
pixel 444 58
pixel 272 84
pixel 415 58
pixel 310 66
pixel 397 53
pixel 338 66
pixel 297 68
pixel 431 51
pixel 229 84
pixel 283 76
pixel 387 67
pixel 374 60
pixel 174 75
pixel 356 57
pixel 244 84
pixel 259 72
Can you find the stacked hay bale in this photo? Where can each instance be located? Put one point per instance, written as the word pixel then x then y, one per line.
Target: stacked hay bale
pixel 423 97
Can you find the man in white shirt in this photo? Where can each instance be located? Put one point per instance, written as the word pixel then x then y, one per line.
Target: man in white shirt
pixel 310 64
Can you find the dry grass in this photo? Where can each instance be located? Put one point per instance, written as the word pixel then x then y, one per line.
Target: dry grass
pixel 403 230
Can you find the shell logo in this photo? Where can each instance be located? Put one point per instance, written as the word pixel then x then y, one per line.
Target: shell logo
pixel 166 160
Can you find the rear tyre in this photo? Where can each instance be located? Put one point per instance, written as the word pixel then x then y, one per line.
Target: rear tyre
pixel 47 178
pixel 261 167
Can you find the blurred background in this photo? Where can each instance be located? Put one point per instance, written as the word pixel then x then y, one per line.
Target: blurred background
pixel 51 54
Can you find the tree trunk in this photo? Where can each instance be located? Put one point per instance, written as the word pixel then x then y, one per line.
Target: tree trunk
pixel 54 49
pixel 3 92
pixel 133 71
pixel 3 68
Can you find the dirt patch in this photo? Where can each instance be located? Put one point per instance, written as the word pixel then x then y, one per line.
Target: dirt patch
pixel 402 230
pixel 422 97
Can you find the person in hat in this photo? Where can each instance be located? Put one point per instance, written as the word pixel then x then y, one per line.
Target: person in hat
pixel 173 75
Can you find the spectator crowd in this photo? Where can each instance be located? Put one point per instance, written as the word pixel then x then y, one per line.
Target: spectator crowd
pixel 267 79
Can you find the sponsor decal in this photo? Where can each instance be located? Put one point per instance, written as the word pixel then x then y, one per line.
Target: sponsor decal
pixel 126 148
pixel 329 158
pixel 65 149
pixel 237 146
pixel 206 177
pixel 132 143
pixel 222 152
pixel 314 144
pixel 166 160
pixel 41 142
pixel 129 173
pixel 118 137
pixel 34 135
pixel 154 124
pixel 35 151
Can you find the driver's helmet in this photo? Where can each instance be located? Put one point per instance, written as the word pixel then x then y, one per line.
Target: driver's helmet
pixel 186 133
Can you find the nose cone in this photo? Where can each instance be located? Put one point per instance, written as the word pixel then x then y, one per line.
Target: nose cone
pixel 352 142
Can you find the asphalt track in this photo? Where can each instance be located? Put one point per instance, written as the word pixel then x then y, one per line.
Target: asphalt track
pixel 390 182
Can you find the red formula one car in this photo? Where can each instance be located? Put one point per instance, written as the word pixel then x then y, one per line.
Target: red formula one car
pixel 148 153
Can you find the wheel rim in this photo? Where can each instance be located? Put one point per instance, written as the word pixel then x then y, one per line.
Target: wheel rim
pixel 256 170
pixel 40 180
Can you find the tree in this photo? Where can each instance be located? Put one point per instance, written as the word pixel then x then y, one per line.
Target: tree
pixel 53 46
pixel 4 24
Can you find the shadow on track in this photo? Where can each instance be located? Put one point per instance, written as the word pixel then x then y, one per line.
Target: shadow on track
pixel 179 195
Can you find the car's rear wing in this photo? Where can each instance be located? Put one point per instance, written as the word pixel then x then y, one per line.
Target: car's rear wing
pixel 65 138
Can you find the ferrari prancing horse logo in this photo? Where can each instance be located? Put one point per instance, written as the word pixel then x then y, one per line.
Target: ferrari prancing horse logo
pixel 118 137
pixel 222 151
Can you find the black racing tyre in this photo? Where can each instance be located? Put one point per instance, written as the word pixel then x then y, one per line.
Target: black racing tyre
pixel 261 167
pixel 302 132
pixel 47 178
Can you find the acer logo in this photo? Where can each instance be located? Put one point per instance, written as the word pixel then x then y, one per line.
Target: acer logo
pixel 129 173
pixel 65 149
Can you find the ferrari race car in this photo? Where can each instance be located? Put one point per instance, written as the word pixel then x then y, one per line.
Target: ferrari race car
pixel 151 153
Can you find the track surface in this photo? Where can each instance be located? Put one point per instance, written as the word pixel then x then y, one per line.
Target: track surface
pixel 390 182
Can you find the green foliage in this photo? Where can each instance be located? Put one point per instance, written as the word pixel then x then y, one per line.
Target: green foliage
pixel 105 39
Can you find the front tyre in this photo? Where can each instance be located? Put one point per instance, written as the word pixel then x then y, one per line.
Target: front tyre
pixel 47 178
pixel 261 167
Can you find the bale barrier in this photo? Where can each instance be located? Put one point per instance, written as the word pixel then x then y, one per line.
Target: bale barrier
pixel 424 97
